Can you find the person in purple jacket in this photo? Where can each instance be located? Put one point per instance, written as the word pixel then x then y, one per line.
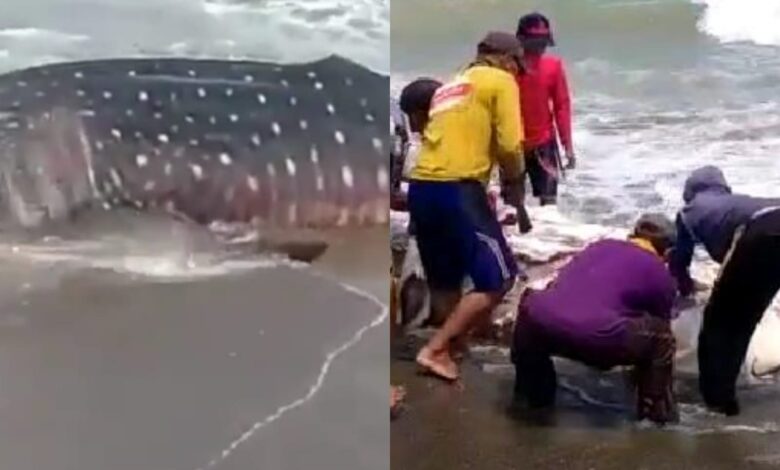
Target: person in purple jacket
pixel 610 305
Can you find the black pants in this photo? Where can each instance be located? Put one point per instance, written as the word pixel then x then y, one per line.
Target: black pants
pixel 749 280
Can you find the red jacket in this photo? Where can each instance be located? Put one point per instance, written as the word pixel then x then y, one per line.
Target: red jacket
pixel 544 94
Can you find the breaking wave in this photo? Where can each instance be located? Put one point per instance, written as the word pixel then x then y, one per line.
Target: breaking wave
pixel 742 20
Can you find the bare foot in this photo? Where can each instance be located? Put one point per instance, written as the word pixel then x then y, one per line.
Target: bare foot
pixel 439 364
pixel 397 395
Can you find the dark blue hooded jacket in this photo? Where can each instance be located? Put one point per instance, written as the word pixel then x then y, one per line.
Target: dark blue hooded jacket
pixel 711 216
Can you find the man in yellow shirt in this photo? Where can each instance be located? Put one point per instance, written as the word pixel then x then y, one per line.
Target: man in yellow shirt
pixel 474 124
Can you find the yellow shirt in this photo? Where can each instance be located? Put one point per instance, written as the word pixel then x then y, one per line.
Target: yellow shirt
pixel 474 123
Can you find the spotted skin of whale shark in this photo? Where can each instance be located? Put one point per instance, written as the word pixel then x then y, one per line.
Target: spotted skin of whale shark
pixel 278 145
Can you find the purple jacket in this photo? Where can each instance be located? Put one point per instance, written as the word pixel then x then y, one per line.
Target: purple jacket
pixel 587 306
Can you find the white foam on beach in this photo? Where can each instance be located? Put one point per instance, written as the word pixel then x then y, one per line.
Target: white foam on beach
pixel 163 265
pixel 319 380
pixel 742 20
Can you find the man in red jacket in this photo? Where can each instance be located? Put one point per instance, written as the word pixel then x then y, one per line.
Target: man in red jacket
pixel 546 108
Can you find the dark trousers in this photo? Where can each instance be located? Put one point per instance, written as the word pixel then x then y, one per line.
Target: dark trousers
pixel 649 347
pixel 749 280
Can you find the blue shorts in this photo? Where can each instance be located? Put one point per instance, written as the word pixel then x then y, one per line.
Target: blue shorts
pixel 458 235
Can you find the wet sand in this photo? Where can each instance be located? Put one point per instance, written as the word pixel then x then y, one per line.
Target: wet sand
pixel 476 427
pixel 100 371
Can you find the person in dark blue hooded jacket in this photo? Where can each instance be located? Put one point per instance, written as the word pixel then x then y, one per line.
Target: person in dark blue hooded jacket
pixel 742 233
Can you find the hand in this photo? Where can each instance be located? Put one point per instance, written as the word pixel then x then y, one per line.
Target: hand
pixel 571 160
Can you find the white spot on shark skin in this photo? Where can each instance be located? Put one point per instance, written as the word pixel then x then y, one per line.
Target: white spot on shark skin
pixel 174 129
pixel 138 135
pixel 330 108
pixel 106 205
pixel 320 182
pixel 206 157
pixel 261 98
pixel 304 125
pixel 178 152
pixel 202 92
pixel 189 119
pixel 141 160
pixel 80 93
pixel 12 125
pixel 271 170
pixel 213 120
pixel 150 185
pixel 290 166
pixel 131 73
pixel 78 75
pixel 192 73
pixel 197 171
pixel 116 133
pixel 168 169
pixel 163 138
pixel 382 179
pixel 256 140
pixel 115 177
pixel 293 101
pixel 348 81
pixel 275 128
pixel 225 159
pixel 21 84
pixel 158 115
pixel 314 155
pixel 377 143
pixel 40 94
pixel 229 92
pixel 369 117
pixel 194 142
pixel 346 176
pixel 86 112
pixel 318 85
pixel 234 118
pixel 129 112
pixel 363 102
pixel 285 83
pixel 107 95
pixel 98 145
pixel 174 97
pixel 143 96
pixel 311 74
pixel 249 78
pixel 339 136
pixel 252 183
pixel 30 125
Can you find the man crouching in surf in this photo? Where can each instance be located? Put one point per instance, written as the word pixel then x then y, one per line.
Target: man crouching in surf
pixel 610 305
pixel 474 123
pixel 742 233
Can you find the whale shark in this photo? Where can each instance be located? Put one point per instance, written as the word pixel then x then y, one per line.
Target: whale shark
pixel 277 146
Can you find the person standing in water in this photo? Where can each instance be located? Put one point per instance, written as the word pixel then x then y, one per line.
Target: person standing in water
pixel 742 233
pixel 546 108
pixel 474 123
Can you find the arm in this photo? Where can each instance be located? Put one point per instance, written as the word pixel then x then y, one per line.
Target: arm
pixel 562 110
pixel 681 257
pixel 508 127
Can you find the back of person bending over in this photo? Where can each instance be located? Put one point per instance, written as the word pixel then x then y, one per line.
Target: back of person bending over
pixel 474 123
pixel 610 305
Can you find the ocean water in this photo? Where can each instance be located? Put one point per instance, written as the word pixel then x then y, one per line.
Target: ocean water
pixel 660 87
